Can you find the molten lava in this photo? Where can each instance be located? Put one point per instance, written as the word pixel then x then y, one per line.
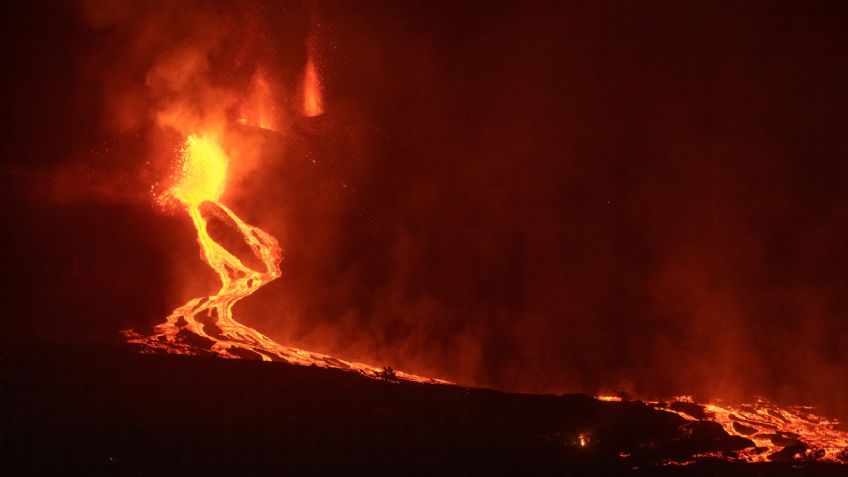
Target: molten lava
pixel 204 172
pixel 785 433
pixel 206 325
pixel 777 433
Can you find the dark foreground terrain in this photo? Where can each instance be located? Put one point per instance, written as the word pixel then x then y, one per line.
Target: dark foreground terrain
pixel 110 411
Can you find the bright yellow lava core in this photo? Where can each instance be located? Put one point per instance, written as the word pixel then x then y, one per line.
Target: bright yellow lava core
pixel 204 171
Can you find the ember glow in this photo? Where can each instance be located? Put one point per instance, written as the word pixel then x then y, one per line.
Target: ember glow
pixel 313 104
pixel 258 107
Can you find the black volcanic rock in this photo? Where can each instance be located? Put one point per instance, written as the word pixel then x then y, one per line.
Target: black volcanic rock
pixel 689 408
pixel 743 429
pixel 195 340
pixel 788 453
pixel 109 411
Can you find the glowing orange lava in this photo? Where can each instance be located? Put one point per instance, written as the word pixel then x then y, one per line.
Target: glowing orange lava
pixel 773 428
pixel 793 432
pixel 206 325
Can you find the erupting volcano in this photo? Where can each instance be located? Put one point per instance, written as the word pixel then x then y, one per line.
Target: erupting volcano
pixel 601 238
pixel 245 258
pixel 206 325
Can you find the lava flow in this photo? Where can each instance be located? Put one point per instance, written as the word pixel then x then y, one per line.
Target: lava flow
pixel 206 325
pixel 775 432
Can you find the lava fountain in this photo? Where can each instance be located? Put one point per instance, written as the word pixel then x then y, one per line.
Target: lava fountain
pixel 203 175
pixel 205 325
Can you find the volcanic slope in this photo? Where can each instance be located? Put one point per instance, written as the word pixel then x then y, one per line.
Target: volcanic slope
pixel 110 411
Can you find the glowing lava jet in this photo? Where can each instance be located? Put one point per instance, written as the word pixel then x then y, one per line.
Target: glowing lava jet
pixel 204 173
pixel 206 325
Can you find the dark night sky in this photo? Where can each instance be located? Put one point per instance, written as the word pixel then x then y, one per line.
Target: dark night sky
pixel 547 197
